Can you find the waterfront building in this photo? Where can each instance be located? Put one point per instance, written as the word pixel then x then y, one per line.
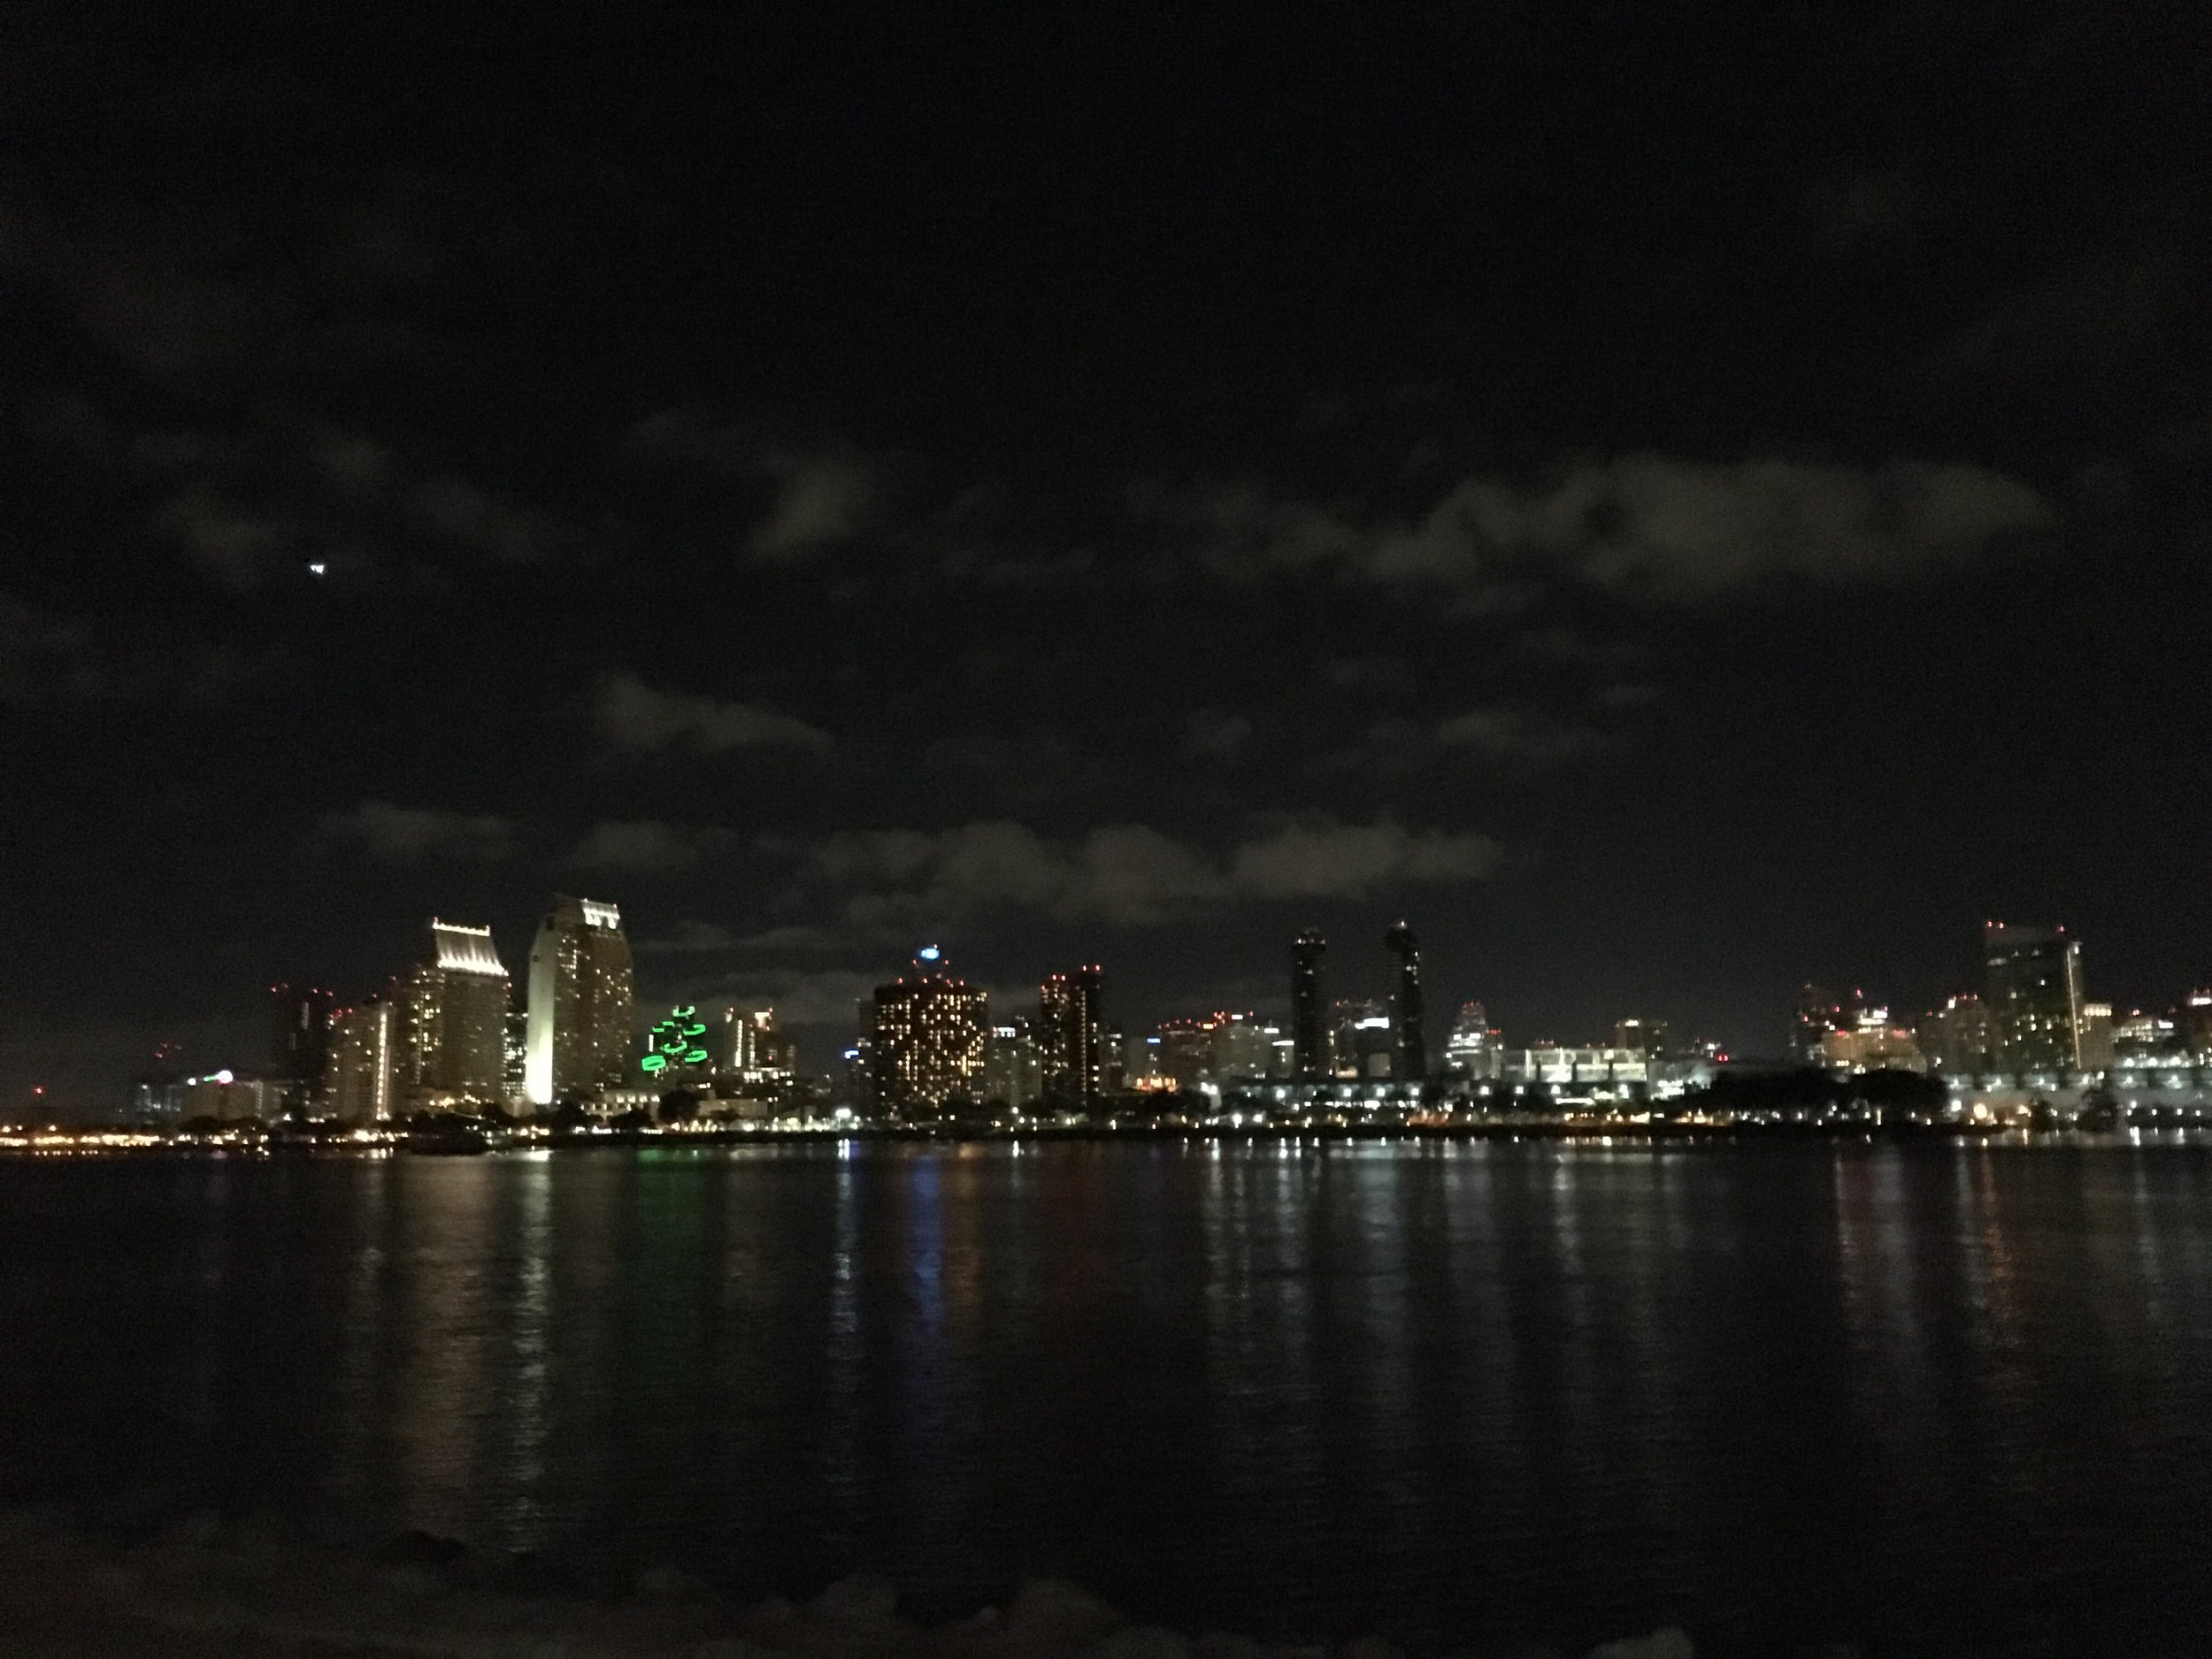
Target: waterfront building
pixel 928 1037
pixel 1361 1040
pixel 1871 1044
pixel 1819 1011
pixel 2146 1039
pixel 2193 1019
pixel 1310 1057
pixel 1647 1037
pixel 2035 996
pixel 2097 1044
pixel 753 1052
pixel 1407 1015
pixel 361 1083
pixel 299 1038
pixel 1072 1032
pixel 583 1000
pixel 453 1012
pixel 1474 1047
pixel 1960 1039
pixel 1014 1066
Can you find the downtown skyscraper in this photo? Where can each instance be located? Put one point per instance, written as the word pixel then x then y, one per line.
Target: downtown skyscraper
pixel 928 1035
pixel 583 1000
pixel 1310 1035
pixel 2034 993
pixel 1071 1029
pixel 1408 1011
pixel 453 1022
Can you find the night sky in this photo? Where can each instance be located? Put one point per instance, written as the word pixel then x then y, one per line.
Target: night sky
pixel 1670 505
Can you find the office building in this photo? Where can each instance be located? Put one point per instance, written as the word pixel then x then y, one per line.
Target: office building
pixel 1819 1011
pixel 1408 1017
pixel 1311 1057
pixel 1361 1039
pixel 1071 1029
pixel 299 1040
pixel 2097 1038
pixel 1647 1037
pixel 361 1082
pixel 453 1013
pixel 582 1003
pixel 2193 1019
pixel 1872 1043
pixel 1014 1066
pixel 1475 1046
pixel 753 1052
pixel 1960 1039
pixel 2035 995
pixel 928 1037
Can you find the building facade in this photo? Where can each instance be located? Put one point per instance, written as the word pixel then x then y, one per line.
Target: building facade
pixel 928 1034
pixel 1072 1034
pixel 361 1085
pixel 453 1013
pixel 583 1003
pixel 2034 991
pixel 1408 1011
pixel 1310 1057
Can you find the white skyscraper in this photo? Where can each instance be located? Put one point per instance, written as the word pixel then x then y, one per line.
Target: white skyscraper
pixel 582 1003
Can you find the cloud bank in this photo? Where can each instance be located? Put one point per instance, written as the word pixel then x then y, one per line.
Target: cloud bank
pixel 1127 874
pixel 632 714
pixel 1642 525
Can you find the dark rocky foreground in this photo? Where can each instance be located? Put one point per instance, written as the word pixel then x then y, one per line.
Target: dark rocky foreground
pixel 198 1588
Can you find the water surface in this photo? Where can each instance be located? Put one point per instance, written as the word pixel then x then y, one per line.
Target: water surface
pixel 1936 1399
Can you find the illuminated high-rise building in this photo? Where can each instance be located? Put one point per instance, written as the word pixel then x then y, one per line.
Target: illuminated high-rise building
pixel 1363 1043
pixel 583 998
pixel 1819 1011
pixel 753 1051
pixel 1070 1031
pixel 299 1038
pixel 1014 1069
pixel 2096 1044
pixel 1309 1009
pixel 1408 1026
pixel 928 1035
pixel 361 1078
pixel 453 1022
pixel 1960 1039
pixel 1475 1046
pixel 1647 1037
pixel 2193 1020
pixel 2035 996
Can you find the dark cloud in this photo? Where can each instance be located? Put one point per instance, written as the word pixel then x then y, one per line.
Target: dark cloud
pixel 401 834
pixel 1644 526
pixel 633 715
pixel 1128 875
pixel 641 847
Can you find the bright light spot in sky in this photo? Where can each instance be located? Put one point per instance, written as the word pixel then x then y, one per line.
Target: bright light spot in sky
pixel 317 568
pixel 928 953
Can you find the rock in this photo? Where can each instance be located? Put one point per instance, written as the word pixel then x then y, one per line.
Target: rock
pixel 1661 1644
pixel 1052 1612
pixel 860 1596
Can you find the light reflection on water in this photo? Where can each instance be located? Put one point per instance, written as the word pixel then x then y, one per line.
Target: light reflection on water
pixel 1937 1399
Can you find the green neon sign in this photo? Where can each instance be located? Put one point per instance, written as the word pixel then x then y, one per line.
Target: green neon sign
pixel 675 1041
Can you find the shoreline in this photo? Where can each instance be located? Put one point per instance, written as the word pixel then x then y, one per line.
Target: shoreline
pixel 266 1140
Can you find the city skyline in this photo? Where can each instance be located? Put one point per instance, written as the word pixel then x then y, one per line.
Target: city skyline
pixel 447 1035
pixel 1617 495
